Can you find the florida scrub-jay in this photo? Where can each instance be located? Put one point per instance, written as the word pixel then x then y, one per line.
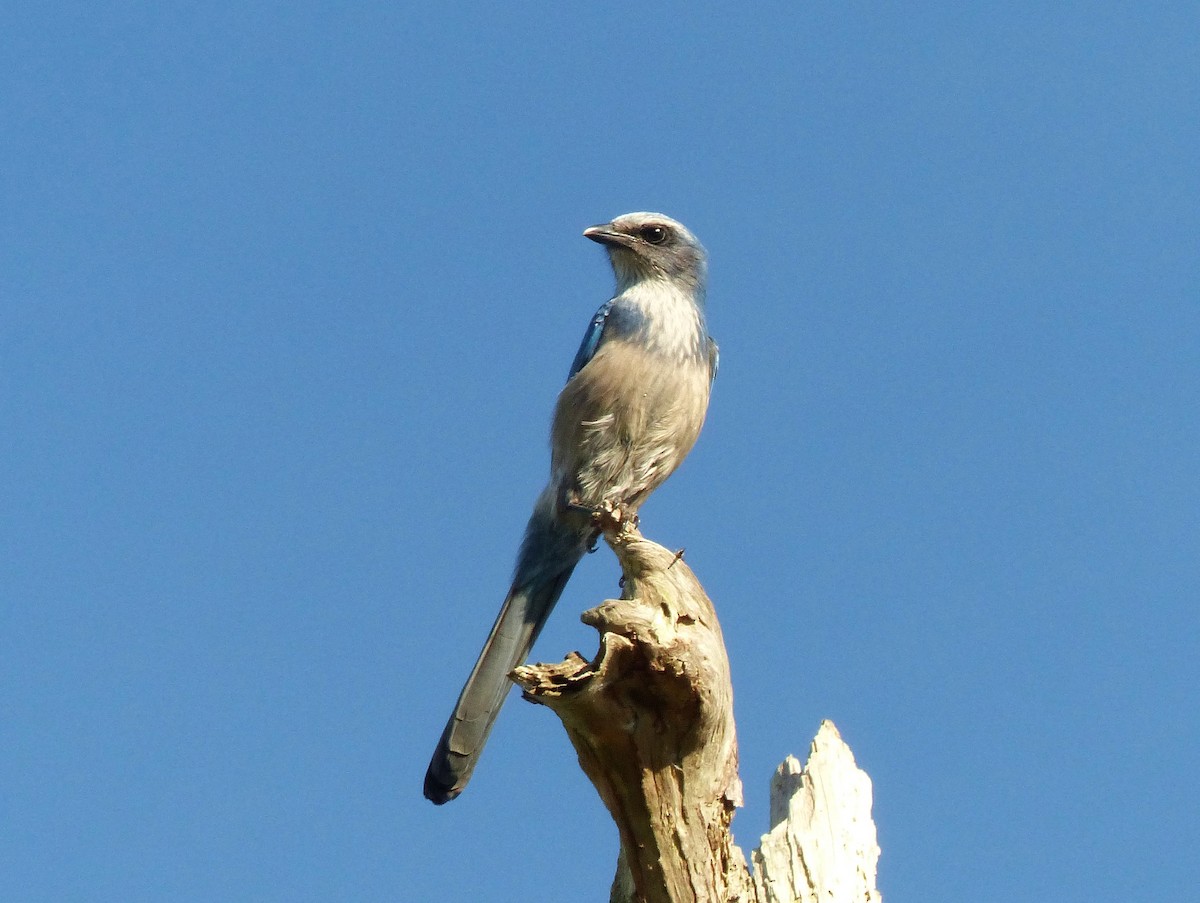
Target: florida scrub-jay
pixel 633 405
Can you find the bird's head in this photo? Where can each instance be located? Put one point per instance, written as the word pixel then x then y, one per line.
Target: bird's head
pixel 652 246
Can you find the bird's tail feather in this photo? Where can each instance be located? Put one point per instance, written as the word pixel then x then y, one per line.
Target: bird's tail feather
pixel 548 556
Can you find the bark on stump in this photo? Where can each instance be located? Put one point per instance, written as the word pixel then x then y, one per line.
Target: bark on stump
pixel 651 719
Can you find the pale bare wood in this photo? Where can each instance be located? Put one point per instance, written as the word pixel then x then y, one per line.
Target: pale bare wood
pixel 822 845
pixel 651 719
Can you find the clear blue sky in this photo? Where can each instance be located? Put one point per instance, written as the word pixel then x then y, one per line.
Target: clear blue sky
pixel 288 290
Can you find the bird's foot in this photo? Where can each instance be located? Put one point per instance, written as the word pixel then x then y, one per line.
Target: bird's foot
pixel 607 516
pixel 613 518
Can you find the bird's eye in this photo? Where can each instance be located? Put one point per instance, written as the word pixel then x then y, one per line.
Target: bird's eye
pixel 656 235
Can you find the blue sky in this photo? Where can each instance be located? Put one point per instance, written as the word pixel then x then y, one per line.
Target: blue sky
pixel 288 290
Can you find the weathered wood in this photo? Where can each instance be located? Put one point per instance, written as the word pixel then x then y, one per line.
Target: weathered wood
pixel 822 846
pixel 651 720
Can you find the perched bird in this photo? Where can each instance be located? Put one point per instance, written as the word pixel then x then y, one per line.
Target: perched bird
pixel 631 410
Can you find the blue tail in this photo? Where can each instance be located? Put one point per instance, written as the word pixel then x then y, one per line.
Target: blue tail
pixel 549 553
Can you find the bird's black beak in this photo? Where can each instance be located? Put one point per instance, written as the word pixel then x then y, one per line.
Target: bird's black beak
pixel 606 235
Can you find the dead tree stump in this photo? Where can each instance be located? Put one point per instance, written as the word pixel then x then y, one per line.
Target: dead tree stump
pixel 651 719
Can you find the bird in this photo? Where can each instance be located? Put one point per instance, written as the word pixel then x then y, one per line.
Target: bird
pixel 632 408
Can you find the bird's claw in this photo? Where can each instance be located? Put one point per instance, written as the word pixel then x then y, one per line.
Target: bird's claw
pixel 607 516
pixel 613 518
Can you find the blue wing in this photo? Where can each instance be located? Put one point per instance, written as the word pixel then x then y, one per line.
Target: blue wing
pixel 714 360
pixel 591 339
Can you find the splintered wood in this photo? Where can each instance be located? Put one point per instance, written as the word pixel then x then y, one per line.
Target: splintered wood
pixel 822 846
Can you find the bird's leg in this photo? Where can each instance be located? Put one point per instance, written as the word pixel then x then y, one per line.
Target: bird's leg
pixel 592 514
pixel 573 504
